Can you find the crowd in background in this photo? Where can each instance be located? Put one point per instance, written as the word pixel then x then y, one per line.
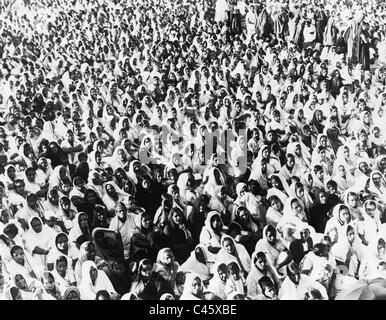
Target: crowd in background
pixel 192 150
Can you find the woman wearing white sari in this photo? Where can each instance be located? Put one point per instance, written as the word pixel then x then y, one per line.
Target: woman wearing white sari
pixel 23 263
pixel 118 159
pixel 38 241
pixel 94 280
pixel 113 195
pixel 342 176
pixel 233 252
pixel 378 185
pixel 263 154
pixel 349 251
pixel 374 254
pixel 299 154
pixel 57 175
pixel 215 179
pixel 63 274
pixel 279 187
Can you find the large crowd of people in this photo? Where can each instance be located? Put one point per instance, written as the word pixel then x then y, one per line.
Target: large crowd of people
pixel 191 149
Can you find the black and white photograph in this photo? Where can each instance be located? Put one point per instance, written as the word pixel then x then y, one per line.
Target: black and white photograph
pixel 206 150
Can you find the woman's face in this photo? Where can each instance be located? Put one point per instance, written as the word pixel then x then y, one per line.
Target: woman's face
pixel 168 258
pixel 146 271
pixel 91 252
pixel 18 256
pixel 276 204
pixel 222 275
pixel 79 184
pixel 111 190
pixel 36 225
pixel 350 235
pixel 265 153
pixel 322 198
pixel 296 207
pixel 323 141
pixel 300 192
pixel 62 173
pixel 31 176
pixel 346 152
pixel 20 282
pixel 345 215
pixel 122 155
pixel 275 183
pixel 11 173
pixel 73 296
pixel 229 246
pixel 377 179
pixel 61 268
pixel 145 222
pixel 197 287
pixel 146 184
pixel 91 198
pixel 381 249
pixel 48 284
pixel 176 217
pixel 290 162
pixel 342 171
pixel 83 221
pixel 352 201
pixel 320 175
pixel 93 274
pixel 261 263
pixel 243 215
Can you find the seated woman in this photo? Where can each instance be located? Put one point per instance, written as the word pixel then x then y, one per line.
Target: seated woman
pixel 63 275
pixel 197 263
pixel 303 243
pixel 88 252
pixel 260 268
pixel 249 234
pixel 177 236
pixel 233 252
pixel 29 288
pixel 80 231
pixel 112 195
pixel 276 253
pixel 48 282
pixel 268 290
pixel 275 211
pixel 349 251
pixel 108 244
pixel 167 267
pixel 193 288
pixel 148 284
pixel 62 247
pixel 38 241
pixel 72 293
pixel 212 232
pixel 218 282
pixel 147 240
pixel 94 280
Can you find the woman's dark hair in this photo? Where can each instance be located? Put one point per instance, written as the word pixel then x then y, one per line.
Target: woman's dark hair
pixel 270 229
pixel 332 184
pixel 259 255
pixel 62 259
pixel 14 292
pixel 318 168
pixel 222 267
pixel 102 293
pixel 10 230
pixel 14 248
pixel 265 282
pixel 233 267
